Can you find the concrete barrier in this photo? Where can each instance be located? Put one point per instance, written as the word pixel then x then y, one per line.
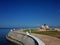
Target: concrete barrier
pixel 38 41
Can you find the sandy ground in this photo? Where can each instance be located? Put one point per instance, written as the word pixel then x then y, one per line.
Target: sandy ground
pixel 48 40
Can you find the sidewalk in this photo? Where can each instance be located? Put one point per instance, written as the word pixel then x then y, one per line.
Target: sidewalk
pixel 48 40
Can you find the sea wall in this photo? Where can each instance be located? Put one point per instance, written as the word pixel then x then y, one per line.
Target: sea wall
pixel 23 39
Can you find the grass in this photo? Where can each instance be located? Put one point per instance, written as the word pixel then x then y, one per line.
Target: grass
pixel 50 33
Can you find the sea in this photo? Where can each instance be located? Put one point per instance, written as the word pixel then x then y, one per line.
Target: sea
pixel 3 33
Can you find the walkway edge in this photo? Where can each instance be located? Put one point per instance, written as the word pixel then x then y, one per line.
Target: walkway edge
pixel 38 40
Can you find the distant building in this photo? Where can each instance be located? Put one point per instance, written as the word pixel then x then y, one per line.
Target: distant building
pixel 47 28
pixel 44 27
pixel 58 29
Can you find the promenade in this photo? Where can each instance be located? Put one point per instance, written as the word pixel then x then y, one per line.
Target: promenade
pixel 48 40
pixel 25 40
pixel 22 38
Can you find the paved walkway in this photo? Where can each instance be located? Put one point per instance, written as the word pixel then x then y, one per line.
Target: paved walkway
pixel 48 40
pixel 15 36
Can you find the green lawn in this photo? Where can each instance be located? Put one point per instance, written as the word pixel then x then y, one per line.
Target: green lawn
pixel 50 33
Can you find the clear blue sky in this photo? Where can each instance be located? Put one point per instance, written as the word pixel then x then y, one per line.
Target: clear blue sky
pixel 29 12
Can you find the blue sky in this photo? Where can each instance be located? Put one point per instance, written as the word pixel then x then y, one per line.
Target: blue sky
pixel 29 13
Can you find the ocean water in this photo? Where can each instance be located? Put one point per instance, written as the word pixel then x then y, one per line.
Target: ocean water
pixel 3 33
